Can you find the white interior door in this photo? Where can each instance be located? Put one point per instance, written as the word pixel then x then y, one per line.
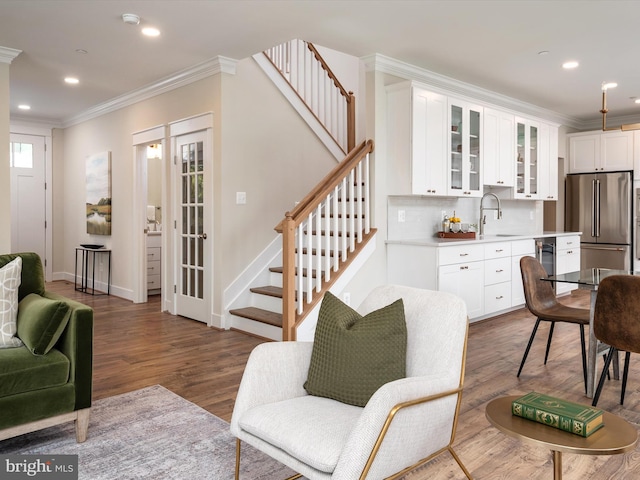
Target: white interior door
pixel 28 199
pixel 193 288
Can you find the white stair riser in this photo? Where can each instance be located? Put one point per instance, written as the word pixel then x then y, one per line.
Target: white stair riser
pixel 266 302
pixel 256 328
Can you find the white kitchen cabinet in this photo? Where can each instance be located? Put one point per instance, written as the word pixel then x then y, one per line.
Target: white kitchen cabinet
pixel 548 171
pixel 154 265
pixel 497 277
pixel 465 149
pixel 567 260
pixel 499 147
pixel 600 151
pixel 527 159
pixel 461 272
pixel 417 140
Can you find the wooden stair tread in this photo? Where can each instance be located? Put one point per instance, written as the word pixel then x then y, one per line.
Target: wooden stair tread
pixel 269 290
pixel 259 315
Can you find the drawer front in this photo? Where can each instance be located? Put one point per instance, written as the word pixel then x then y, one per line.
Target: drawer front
pixel 460 254
pixel 497 297
pixel 497 250
pixel 570 241
pixel 154 241
pixel 523 247
pixel 153 253
pixel 497 270
pixel 153 281
pixel 153 267
pixel 568 260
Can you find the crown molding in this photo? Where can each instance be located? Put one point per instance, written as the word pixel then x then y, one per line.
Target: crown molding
pixel 185 77
pixel 381 63
pixel 8 54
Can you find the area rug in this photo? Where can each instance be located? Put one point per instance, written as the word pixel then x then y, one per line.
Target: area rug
pixel 150 434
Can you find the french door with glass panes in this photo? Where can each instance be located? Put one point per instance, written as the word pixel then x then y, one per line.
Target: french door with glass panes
pixel 193 288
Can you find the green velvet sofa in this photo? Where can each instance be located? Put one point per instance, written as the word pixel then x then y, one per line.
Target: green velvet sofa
pixel 39 391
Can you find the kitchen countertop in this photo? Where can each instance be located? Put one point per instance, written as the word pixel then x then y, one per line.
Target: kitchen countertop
pixel 441 242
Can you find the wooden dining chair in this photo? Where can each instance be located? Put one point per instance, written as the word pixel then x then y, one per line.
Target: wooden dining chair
pixel 542 302
pixel 616 322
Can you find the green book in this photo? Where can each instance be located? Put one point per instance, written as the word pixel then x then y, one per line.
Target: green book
pixel 568 416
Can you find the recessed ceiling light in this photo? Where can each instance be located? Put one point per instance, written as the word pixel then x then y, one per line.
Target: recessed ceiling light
pixel 637 100
pixel 24 107
pixel 608 85
pixel 71 80
pixel 150 31
pixel 570 64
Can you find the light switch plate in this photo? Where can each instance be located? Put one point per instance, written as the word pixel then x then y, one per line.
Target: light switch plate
pixel 241 198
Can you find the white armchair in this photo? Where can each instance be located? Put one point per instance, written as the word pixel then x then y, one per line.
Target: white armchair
pixel 406 422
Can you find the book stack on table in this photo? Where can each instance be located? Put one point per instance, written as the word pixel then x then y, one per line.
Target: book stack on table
pixel 568 416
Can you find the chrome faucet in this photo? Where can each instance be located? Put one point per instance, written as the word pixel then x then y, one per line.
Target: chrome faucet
pixel 483 217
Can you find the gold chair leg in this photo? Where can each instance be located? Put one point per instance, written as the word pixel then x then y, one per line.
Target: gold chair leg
pixel 297 475
pixel 237 459
pixel 455 457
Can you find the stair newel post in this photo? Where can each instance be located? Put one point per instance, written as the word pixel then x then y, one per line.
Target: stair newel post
pixel 351 121
pixel 288 278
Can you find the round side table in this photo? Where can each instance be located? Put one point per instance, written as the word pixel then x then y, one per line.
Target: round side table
pixel 617 435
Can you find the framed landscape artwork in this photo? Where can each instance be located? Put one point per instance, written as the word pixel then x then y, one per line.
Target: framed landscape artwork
pixel 99 194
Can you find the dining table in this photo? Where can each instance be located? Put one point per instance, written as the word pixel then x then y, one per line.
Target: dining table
pixel 589 279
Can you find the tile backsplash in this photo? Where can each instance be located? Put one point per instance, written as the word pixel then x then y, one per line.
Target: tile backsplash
pixel 423 215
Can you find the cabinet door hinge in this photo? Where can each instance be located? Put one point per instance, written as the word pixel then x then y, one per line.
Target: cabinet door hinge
pixel 175 289
pixel 175 159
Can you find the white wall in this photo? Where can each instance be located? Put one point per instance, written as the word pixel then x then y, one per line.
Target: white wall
pixel 5 191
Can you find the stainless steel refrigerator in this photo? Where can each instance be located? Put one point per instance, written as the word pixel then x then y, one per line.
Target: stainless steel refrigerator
pixel 600 206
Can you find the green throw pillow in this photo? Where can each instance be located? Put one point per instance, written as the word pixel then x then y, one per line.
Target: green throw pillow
pixel 41 321
pixel 353 355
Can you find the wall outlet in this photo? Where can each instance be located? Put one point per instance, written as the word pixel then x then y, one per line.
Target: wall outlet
pixel 401 216
pixel 346 298
pixel 241 198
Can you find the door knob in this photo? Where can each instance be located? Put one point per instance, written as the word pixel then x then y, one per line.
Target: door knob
pixel 203 236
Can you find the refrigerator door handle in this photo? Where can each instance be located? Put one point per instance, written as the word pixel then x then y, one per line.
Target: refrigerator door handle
pixel 593 208
pixel 597 210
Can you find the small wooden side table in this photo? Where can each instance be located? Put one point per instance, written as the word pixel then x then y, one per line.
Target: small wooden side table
pixel 617 435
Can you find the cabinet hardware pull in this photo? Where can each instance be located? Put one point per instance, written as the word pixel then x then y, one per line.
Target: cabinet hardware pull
pixel 464 254
pixel 569 252
pixel 499 250
pixel 464 267
pixel 499 270
pixel 499 297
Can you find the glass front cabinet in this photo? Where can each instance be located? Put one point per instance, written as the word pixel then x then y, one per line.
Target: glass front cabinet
pixel 465 149
pixel 527 159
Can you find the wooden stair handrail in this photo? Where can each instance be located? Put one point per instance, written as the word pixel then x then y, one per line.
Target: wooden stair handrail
pixel 348 96
pixel 326 185
pixel 346 142
pixel 294 311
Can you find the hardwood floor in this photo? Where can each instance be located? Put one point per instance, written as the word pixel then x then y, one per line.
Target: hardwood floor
pixel 135 345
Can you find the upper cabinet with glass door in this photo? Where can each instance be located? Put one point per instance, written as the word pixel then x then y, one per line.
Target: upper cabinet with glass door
pixel 527 161
pixel 465 149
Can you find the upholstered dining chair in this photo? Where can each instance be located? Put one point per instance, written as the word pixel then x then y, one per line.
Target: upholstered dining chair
pixel 542 302
pixel 404 424
pixel 616 322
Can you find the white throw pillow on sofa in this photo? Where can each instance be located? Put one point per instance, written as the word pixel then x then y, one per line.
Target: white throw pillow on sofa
pixel 10 277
